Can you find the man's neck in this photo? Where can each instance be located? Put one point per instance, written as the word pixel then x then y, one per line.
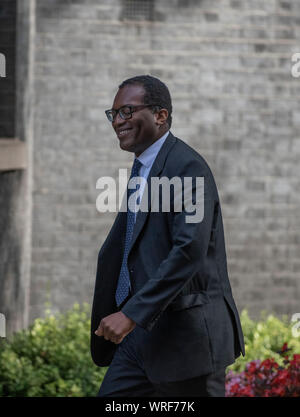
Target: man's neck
pixel 159 136
pixel 152 145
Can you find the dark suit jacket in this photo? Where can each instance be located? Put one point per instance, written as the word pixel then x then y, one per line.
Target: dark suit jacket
pixel 178 270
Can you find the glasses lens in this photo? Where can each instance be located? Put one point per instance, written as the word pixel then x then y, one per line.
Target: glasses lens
pixel 110 115
pixel 125 112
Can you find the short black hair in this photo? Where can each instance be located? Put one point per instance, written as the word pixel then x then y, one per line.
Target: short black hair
pixel 155 92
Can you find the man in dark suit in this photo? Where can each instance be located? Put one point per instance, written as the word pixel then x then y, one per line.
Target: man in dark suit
pixel 163 314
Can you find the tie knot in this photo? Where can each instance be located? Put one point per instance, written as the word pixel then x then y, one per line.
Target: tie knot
pixel 135 168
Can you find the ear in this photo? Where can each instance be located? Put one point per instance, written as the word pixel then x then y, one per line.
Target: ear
pixel 161 116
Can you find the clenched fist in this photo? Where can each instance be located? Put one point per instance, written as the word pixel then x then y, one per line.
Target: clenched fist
pixel 115 327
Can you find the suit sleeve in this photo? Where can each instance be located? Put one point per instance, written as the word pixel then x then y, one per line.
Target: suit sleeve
pixel 186 258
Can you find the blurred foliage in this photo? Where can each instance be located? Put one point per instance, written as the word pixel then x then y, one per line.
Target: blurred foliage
pixel 264 339
pixel 52 357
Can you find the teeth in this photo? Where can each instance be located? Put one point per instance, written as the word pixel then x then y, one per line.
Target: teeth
pixel 123 132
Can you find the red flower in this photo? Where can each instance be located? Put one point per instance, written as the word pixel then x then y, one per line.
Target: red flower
pixel 235 388
pixel 281 377
pixel 251 368
pixel 296 360
pixel 246 392
pixel 278 391
pixel 269 364
pixel 266 379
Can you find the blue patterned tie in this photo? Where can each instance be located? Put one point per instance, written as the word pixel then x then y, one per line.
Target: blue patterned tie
pixel 124 280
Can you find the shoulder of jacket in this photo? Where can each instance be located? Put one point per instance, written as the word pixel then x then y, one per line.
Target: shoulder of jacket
pixel 183 155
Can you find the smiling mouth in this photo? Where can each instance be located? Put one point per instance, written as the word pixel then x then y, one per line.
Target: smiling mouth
pixel 124 132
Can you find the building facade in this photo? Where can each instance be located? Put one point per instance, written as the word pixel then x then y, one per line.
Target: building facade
pixel 228 67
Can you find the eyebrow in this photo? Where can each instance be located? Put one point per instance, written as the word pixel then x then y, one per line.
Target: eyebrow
pixel 124 105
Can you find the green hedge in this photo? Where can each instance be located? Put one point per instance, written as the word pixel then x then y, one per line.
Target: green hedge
pixel 52 357
pixel 264 339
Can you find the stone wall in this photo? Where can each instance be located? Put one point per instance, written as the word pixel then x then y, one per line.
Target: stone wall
pixel 228 67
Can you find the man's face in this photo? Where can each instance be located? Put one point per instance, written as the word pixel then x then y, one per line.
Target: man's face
pixel 139 132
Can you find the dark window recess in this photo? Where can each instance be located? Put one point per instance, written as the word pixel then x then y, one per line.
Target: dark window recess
pixel 137 10
pixel 7 83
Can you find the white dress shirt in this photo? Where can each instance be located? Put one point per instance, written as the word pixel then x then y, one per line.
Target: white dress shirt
pixel 147 158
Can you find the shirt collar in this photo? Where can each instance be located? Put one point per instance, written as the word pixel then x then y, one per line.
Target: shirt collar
pixel 149 154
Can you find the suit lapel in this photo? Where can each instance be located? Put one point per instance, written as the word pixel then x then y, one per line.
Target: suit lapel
pixel 154 172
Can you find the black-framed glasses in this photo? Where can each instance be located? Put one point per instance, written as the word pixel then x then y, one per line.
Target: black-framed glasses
pixel 125 112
